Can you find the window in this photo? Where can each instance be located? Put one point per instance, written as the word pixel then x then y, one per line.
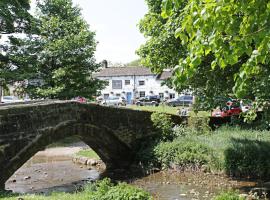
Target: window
pixel 118 95
pixel 116 84
pixel 172 96
pixel 161 95
pixel 106 96
pixel 142 94
pixel 141 82
pixel 127 82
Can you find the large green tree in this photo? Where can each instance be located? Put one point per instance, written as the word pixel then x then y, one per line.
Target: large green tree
pixel 14 19
pixel 164 50
pixel 233 33
pixel 59 59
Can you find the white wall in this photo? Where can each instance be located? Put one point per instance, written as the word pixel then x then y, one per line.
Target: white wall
pixel 151 84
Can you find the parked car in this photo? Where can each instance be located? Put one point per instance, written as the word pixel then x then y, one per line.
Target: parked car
pixel 245 105
pixel 99 99
pixel 114 101
pixel 232 108
pixel 184 100
pixel 80 99
pixel 10 99
pixel 152 100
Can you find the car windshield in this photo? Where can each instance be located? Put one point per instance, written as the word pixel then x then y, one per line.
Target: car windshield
pixel 10 98
pixel 113 98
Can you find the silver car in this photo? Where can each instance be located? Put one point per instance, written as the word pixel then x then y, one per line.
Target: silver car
pixel 114 101
pixel 10 99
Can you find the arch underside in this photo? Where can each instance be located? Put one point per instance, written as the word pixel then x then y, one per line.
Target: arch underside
pixel 113 152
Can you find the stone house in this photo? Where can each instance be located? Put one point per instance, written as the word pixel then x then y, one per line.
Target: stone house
pixel 134 82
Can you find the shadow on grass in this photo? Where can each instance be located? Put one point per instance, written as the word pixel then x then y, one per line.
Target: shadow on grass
pixel 248 158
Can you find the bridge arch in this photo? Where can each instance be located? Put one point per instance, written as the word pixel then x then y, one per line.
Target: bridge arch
pixel 113 133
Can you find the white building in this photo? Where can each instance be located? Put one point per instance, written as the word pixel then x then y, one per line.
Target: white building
pixel 134 82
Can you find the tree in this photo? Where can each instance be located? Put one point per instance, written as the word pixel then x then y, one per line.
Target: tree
pixel 14 18
pixel 233 33
pixel 163 50
pixel 59 59
pixel 133 63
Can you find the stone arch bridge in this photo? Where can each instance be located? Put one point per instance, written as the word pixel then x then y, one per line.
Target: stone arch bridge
pixel 113 133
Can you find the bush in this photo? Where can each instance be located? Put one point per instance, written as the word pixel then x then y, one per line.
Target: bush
pixel 247 157
pixel 229 196
pixel 162 122
pixel 184 153
pixel 199 125
pixel 105 190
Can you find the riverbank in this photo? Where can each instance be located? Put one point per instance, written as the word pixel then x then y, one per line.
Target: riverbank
pixel 228 150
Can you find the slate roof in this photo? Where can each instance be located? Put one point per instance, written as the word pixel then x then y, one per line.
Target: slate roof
pixel 124 71
pixel 131 71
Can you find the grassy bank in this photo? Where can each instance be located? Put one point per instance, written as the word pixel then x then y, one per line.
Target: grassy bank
pixel 89 153
pixel 234 151
pixel 166 109
pixel 102 190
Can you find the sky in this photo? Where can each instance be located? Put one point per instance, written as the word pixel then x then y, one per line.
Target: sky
pixel 115 23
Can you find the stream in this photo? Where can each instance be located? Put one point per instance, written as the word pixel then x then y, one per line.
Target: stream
pixel 53 170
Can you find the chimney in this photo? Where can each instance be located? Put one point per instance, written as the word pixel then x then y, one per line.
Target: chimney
pixel 104 64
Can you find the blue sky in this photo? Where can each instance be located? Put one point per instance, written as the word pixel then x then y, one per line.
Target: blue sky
pixel 115 23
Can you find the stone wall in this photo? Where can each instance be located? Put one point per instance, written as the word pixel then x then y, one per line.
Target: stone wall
pixel 113 133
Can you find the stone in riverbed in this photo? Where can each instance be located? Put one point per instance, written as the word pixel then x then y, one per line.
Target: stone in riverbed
pixel 27 177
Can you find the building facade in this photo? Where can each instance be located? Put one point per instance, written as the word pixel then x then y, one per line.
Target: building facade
pixel 134 82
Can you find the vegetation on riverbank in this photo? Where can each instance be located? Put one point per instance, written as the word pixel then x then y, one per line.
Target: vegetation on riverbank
pixel 88 153
pixel 229 196
pixel 229 150
pixel 101 190
pixel 167 109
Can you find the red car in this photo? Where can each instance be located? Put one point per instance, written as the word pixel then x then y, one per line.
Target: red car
pixel 80 99
pixel 232 108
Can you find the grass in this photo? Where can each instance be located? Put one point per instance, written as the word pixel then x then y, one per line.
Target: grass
pixel 166 109
pixel 229 196
pixel 231 150
pixel 102 190
pixel 89 153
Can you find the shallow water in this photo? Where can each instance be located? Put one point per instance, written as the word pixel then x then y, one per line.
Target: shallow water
pixel 171 185
pixel 45 173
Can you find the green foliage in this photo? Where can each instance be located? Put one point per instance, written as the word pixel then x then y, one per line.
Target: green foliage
pixel 60 56
pixel 183 152
pixel 229 196
pixel 162 122
pixel 232 33
pixel 199 125
pixel 15 18
pixel 234 151
pixel 247 157
pixel 101 190
pixel 162 49
pixel 104 190
pixel 14 12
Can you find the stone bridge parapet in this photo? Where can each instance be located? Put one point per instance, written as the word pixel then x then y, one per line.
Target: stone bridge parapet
pixel 113 133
